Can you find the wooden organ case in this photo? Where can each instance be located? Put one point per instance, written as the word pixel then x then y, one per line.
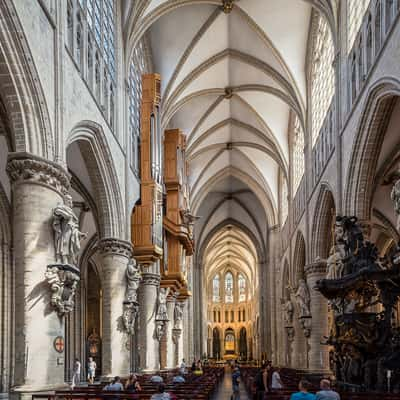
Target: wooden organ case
pixel 147 218
pixel 178 230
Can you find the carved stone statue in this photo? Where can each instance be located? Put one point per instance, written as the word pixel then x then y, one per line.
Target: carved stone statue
pixel 130 305
pixel 395 196
pixel 67 236
pixel 303 299
pixel 162 304
pixel 288 309
pixel 334 263
pixel 178 315
pixel 63 280
pixel 129 314
pixel 133 279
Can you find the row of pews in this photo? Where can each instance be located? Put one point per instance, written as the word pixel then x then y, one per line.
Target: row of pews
pixel 196 387
pixel 291 378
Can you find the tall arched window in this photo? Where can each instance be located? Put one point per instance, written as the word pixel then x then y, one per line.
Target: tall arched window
pixel 242 287
pixel 298 154
pixel 94 30
pixel 228 287
pixel 355 13
pixel 216 289
pixel 323 76
pixel 136 69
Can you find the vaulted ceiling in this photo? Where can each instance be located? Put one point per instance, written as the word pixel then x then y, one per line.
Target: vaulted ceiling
pixel 232 77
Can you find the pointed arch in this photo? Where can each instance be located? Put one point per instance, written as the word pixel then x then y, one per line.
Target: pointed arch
pixel 322 224
pixel 369 138
pixel 299 258
pixel 100 165
pixel 21 90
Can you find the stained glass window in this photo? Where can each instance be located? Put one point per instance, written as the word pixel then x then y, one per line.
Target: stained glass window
pixel 216 295
pixel 323 76
pixel 228 288
pixel 242 287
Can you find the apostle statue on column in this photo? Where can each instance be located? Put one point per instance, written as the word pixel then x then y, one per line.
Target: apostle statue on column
pixel 303 299
pixel 67 236
pixel 162 314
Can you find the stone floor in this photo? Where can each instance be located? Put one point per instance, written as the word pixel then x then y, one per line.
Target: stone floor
pixel 224 390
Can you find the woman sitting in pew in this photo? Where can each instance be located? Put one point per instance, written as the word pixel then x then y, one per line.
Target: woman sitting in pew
pixel 132 384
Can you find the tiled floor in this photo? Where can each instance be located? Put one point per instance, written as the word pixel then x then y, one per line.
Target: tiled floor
pixel 224 390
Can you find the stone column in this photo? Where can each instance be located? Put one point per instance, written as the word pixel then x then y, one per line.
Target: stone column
pixel 299 345
pixel 114 255
pixel 318 354
pixel 38 186
pixel 149 345
pixel 169 344
pixel 177 339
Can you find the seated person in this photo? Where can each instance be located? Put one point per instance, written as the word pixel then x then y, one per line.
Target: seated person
pixel 161 393
pixel 302 394
pixel 326 392
pixel 178 379
pixel 156 379
pixel 132 384
pixel 115 385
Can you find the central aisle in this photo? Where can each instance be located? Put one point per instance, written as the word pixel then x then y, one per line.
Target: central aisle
pixel 224 390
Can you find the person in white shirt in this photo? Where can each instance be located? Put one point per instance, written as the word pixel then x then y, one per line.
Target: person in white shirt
pixel 91 370
pixel 76 373
pixel 183 367
pixel 276 382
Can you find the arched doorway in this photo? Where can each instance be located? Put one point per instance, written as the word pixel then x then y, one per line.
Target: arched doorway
pixel 229 342
pixel 93 316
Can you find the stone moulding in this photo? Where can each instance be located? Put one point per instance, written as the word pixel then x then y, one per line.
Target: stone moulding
pixel 25 167
pixel 115 246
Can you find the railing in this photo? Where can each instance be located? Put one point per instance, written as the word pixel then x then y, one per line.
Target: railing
pixel 324 145
pixel 377 23
pixel 299 201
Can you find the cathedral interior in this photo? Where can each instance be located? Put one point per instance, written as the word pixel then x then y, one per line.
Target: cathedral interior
pixel 199 179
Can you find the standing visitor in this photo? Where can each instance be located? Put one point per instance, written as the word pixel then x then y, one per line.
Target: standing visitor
pixel 76 373
pixel 91 370
pixel 183 367
pixel 235 383
pixel 259 382
pixel 276 382
pixel 302 394
pixel 326 392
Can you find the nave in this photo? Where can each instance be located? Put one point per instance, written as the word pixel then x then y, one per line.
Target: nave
pixel 213 180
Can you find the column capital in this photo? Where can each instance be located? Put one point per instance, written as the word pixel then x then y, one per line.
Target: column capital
pixel 151 279
pixel 316 268
pixel 28 168
pixel 115 246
